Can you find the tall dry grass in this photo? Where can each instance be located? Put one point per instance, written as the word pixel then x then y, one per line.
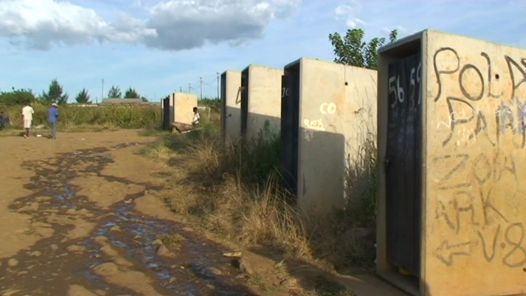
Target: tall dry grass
pixel 234 190
pixel 346 237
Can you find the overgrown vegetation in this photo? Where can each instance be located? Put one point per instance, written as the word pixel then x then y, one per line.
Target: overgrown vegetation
pixel 78 117
pixel 352 50
pixel 240 197
pixel 16 97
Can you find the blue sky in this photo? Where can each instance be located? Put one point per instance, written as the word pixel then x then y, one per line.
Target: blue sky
pixel 161 46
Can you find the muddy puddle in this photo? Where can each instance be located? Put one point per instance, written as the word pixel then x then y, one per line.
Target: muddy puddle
pixel 113 250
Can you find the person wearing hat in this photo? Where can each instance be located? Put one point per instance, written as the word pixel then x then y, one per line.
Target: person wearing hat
pixel 52 118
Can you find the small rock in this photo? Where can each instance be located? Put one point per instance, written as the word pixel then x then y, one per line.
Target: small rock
pixel 35 254
pixel 290 283
pixel 12 262
pixel 54 247
pixel 215 271
pixel 236 254
pixel 76 249
pixel 163 251
pixel 115 228
pixel 100 292
pixel 245 267
pixel 157 242
pixel 34 206
pixel 100 239
pixel 172 280
pixel 23 272
pixel 210 286
pixel 106 269
pixel 71 211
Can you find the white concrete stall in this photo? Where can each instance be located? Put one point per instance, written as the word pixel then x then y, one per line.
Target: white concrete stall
pixel 260 101
pixel 328 124
pixel 231 105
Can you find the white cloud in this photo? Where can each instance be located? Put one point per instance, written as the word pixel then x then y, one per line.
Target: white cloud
pixel 348 12
pixel 39 24
pixel 171 25
pixel 184 24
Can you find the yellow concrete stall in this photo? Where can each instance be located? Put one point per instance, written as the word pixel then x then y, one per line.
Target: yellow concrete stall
pixel 328 129
pixel 452 165
pixel 231 105
pixel 178 111
pixel 260 101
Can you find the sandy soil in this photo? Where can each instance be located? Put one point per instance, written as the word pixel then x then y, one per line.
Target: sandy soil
pixel 80 216
pixel 77 218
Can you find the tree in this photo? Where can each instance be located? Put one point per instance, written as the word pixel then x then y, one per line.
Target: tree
pixel 16 97
pixel 352 50
pixel 54 94
pixel 131 94
pixel 83 97
pixel 114 93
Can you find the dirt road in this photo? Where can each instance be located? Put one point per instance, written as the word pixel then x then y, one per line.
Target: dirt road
pixel 78 216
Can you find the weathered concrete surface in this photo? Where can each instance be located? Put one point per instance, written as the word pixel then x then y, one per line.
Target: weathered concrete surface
pixel 231 99
pixel 337 116
pixel 182 105
pixel 262 97
pixel 474 167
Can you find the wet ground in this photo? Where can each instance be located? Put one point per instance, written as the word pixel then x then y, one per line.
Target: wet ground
pixel 101 247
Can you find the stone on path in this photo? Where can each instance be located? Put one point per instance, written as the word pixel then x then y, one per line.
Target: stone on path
pixel 12 262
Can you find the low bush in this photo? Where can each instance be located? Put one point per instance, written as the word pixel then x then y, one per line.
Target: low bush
pixel 74 117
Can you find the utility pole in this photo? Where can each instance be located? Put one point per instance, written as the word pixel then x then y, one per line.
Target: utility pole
pixel 201 87
pixel 189 87
pixel 217 85
pixel 180 89
pixel 102 93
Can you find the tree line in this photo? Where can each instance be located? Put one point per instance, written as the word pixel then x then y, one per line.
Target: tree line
pixel 56 94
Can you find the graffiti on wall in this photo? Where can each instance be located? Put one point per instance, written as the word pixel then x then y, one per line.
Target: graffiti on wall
pixel 480 84
pixel 479 188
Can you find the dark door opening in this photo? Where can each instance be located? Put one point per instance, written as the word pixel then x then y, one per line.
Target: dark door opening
pixel 403 164
pixel 224 110
pixel 244 102
pixel 166 113
pixel 290 126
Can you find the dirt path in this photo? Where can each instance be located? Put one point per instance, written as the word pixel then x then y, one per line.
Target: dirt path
pixel 78 217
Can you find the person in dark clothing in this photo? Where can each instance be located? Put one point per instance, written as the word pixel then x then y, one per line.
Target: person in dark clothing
pixel 4 120
pixel 52 118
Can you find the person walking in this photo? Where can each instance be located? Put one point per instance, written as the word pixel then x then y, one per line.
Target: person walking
pixel 27 115
pixel 52 118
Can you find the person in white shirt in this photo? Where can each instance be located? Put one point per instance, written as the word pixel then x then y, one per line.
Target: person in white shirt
pixel 27 115
pixel 197 117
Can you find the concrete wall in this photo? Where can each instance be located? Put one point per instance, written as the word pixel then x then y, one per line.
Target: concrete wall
pixel 337 114
pixel 182 105
pixel 231 99
pixel 263 99
pixel 473 207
